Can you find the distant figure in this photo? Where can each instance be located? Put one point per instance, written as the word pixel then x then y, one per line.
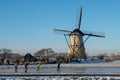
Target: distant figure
pixel 16 66
pixel 38 66
pixel 26 65
pixel 58 66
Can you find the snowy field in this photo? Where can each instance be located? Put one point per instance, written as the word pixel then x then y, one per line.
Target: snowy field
pixel 61 78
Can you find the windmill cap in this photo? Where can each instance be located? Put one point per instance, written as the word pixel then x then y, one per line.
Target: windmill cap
pixel 77 31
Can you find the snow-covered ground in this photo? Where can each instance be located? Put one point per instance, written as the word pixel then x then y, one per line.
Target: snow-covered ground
pixel 61 78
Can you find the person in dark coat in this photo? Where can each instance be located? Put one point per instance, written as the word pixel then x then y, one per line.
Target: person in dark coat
pixel 58 66
pixel 26 65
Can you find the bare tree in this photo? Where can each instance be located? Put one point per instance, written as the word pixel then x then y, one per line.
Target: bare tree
pixel 44 54
pixel 4 52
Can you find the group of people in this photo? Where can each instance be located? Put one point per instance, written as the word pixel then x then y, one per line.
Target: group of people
pixel 38 66
pixel 16 66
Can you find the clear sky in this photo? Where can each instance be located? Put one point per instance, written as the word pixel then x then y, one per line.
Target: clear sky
pixel 27 25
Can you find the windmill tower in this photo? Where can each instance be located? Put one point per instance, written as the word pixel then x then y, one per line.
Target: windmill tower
pixel 76 46
pixel 76 42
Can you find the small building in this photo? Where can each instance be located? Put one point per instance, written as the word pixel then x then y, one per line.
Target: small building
pixel 28 57
pixel 9 58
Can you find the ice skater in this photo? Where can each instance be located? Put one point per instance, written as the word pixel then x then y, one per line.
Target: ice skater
pixel 38 66
pixel 58 66
pixel 26 65
pixel 16 66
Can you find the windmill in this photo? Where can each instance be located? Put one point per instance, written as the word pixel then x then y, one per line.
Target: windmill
pixel 76 43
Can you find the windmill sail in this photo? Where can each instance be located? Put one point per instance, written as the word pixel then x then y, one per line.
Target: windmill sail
pixel 79 24
pixel 95 34
pixel 59 30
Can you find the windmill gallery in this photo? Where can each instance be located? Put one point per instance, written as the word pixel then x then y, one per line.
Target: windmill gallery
pixel 75 43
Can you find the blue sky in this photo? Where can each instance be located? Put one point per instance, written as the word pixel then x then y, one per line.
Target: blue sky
pixel 27 25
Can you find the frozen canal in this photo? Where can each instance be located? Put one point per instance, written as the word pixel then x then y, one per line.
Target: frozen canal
pixel 95 68
pixel 62 70
pixel 66 68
